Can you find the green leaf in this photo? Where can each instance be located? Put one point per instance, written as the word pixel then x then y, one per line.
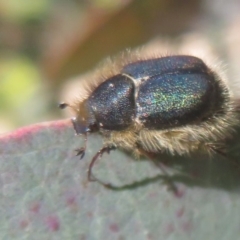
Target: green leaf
pixel 45 193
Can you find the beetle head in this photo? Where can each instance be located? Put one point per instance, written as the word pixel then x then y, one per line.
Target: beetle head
pixel 84 121
pixel 82 125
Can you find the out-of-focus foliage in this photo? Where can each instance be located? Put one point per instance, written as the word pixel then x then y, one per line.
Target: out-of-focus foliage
pixel 19 11
pixel 45 193
pixel 45 43
pixel 25 94
pixel 15 94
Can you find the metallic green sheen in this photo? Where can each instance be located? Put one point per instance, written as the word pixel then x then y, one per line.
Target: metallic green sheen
pixel 170 100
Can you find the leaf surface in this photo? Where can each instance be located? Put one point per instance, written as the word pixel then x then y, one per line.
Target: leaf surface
pixel 45 193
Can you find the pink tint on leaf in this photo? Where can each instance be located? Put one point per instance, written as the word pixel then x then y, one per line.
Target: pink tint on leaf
pixel 72 203
pixel 180 212
pixel 114 227
pixel 170 228
pixel 71 200
pixel 24 223
pixel 35 207
pixel 186 226
pixel 28 138
pixel 180 192
pixel 53 223
pixel 25 132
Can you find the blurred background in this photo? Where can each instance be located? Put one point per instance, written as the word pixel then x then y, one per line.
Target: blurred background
pixel 46 45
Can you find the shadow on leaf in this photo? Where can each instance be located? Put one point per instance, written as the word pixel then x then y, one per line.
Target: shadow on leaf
pixel 200 170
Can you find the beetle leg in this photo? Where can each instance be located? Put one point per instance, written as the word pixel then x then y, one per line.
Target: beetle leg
pixel 170 184
pixel 221 151
pixel 94 159
pixel 81 151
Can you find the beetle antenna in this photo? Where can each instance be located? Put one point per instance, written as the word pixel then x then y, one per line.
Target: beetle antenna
pixel 63 105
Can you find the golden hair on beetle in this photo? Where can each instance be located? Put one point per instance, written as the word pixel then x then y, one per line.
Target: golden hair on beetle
pixel 205 131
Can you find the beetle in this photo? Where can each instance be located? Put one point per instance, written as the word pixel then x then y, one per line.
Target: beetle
pixel 175 104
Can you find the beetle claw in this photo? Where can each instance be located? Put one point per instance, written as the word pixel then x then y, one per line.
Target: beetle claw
pixel 80 152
